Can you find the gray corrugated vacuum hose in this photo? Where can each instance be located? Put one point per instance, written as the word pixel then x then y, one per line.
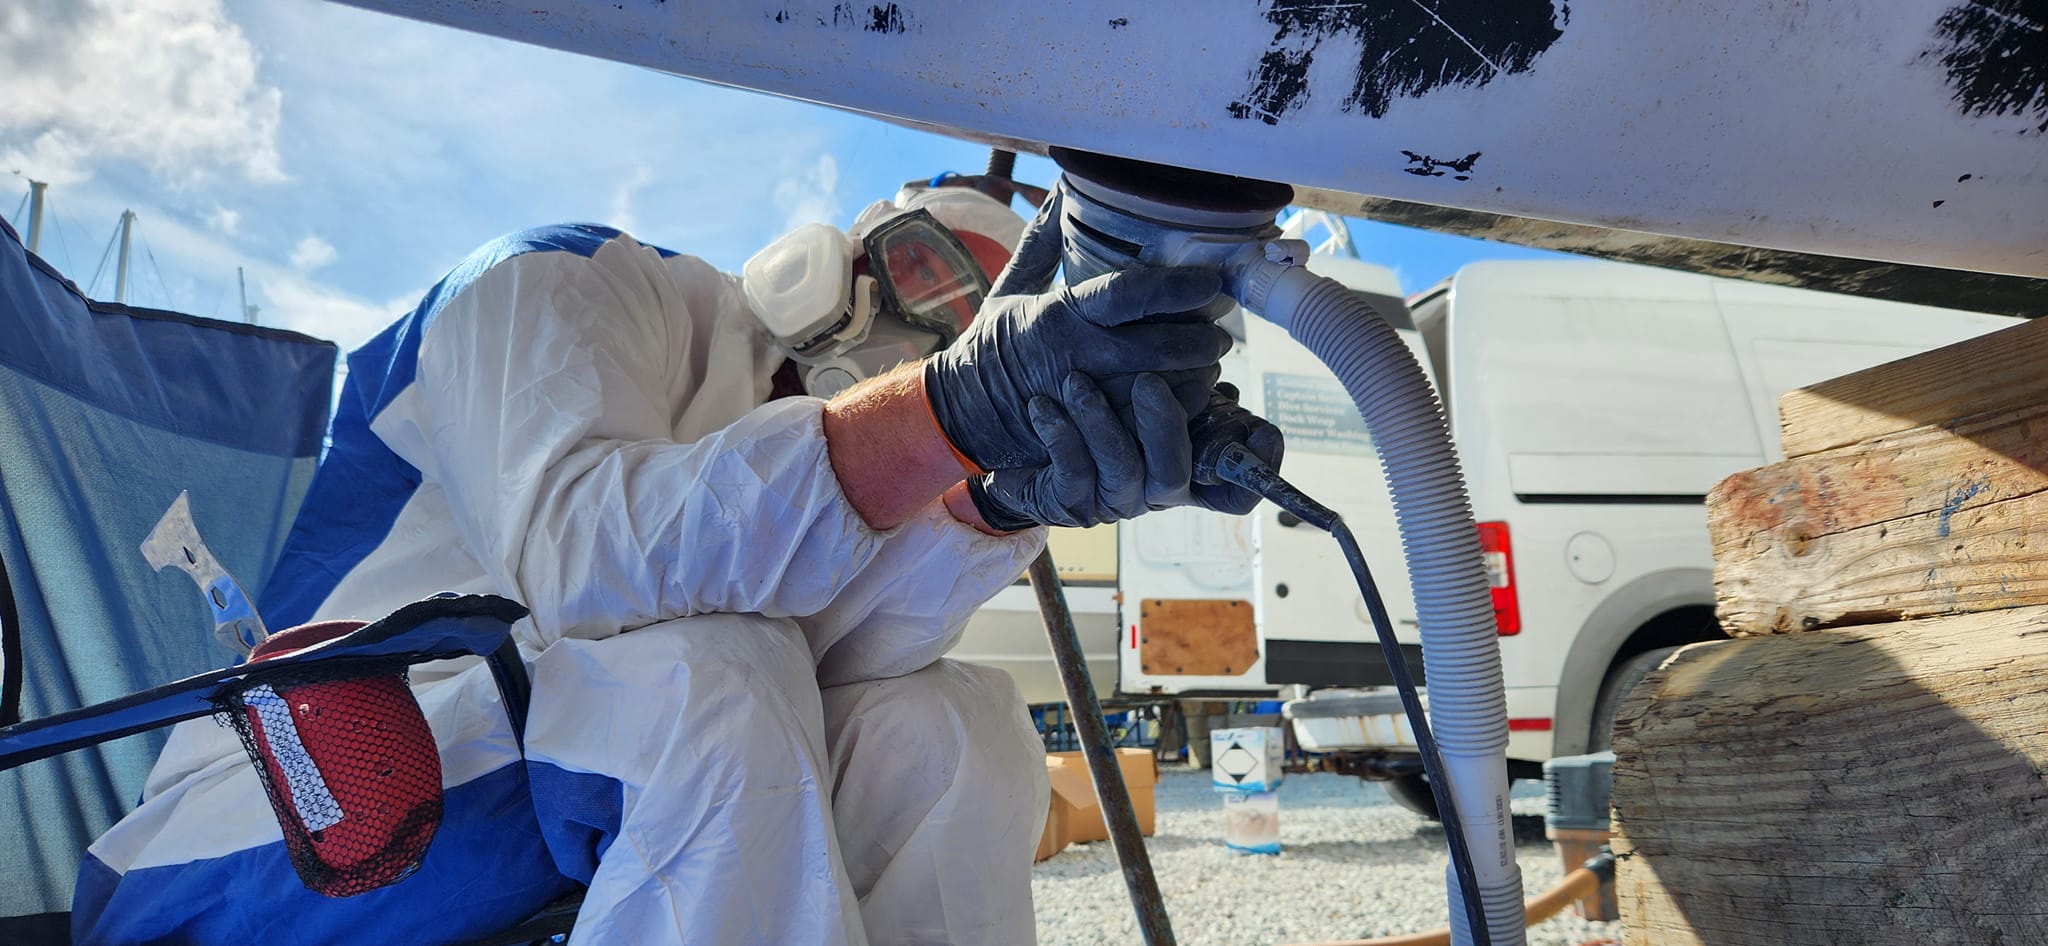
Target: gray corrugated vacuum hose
pixel 1460 645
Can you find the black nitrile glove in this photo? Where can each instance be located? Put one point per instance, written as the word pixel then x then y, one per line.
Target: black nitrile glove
pixel 1031 270
pixel 1023 347
pixel 1100 473
pixel 1099 470
pixel 1101 447
pixel 1222 423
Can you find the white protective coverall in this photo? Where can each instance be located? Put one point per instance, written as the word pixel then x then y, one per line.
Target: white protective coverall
pixel 741 727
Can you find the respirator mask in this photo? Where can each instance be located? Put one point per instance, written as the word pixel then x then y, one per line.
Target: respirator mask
pixel 845 311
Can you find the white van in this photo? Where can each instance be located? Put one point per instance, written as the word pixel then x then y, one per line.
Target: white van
pixel 1593 405
pixel 1229 607
pixel 1007 633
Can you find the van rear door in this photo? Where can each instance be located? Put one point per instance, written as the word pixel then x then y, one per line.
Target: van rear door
pixel 1313 626
pixel 1218 605
pixel 1184 581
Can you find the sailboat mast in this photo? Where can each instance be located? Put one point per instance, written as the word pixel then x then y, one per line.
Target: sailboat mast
pixel 121 270
pixel 35 214
pixel 248 311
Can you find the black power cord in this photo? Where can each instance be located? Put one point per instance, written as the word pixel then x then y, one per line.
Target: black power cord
pixel 1233 463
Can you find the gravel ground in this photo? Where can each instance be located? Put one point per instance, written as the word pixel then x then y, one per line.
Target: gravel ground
pixel 1353 864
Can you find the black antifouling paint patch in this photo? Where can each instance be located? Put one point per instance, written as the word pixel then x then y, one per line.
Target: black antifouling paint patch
pixel 1424 165
pixel 885 19
pixel 1996 54
pixel 1410 47
pixel 879 18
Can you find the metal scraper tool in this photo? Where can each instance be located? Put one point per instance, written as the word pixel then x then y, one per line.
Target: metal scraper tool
pixel 175 543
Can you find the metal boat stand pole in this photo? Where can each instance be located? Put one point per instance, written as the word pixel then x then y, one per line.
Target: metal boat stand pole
pixel 1110 791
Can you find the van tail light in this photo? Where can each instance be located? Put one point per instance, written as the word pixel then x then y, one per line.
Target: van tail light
pixel 1500 576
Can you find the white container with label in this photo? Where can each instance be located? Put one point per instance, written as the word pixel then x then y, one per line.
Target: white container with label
pixel 1247 759
pixel 1251 822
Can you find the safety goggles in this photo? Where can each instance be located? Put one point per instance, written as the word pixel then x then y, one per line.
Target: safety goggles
pixel 926 275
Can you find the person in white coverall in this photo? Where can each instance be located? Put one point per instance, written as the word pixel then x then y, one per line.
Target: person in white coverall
pixel 741 728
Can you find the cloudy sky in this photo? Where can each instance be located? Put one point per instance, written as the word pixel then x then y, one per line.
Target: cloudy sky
pixel 346 159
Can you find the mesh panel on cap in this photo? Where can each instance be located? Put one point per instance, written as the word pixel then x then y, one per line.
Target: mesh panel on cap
pixel 350 766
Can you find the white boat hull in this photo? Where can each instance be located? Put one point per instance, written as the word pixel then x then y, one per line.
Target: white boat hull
pixel 1907 131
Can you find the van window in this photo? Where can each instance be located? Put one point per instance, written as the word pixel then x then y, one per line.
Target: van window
pixel 1788 338
pixel 1613 376
pixel 1623 394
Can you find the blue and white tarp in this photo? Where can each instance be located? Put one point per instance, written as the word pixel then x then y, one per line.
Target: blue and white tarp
pixel 106 414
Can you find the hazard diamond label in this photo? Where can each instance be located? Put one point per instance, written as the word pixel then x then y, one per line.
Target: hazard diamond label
pixel 1237 762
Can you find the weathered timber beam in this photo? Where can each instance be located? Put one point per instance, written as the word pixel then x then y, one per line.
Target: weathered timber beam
pixel 1994 372
pixel 1933 520
pixel 1857 786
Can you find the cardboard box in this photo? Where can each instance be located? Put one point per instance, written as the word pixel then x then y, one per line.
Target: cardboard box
pixel 1075 817
pixel 1247 759
pixel 1054 839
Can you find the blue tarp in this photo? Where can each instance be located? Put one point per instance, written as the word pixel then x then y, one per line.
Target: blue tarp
pixel 107 413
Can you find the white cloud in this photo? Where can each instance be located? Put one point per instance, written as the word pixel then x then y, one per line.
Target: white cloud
pixel 54 157
pixel 312 253
pixel 622 199
pixel 169 84
pixel 408 143
pixel 304 305
pixel 810 195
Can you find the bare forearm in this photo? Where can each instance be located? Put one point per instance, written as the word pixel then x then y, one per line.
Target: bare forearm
pixel 888 453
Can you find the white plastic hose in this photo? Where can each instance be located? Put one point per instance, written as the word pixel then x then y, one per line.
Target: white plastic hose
pixel 1460 646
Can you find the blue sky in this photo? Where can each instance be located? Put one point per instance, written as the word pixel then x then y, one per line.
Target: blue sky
pixel 346 159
